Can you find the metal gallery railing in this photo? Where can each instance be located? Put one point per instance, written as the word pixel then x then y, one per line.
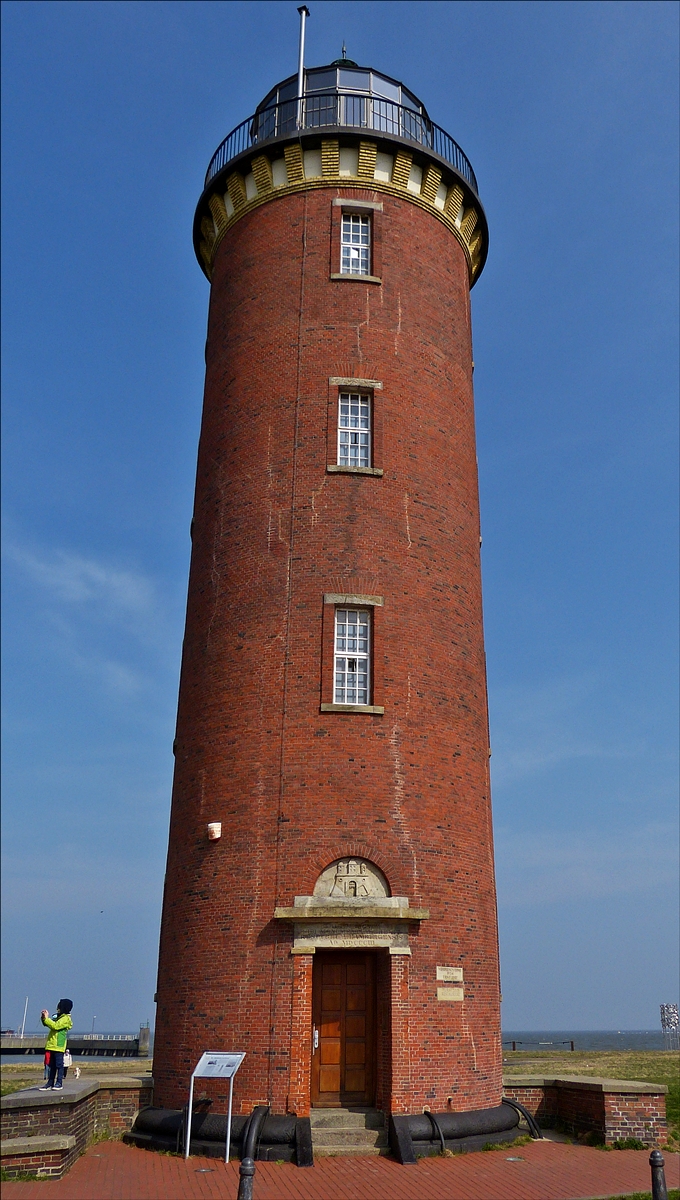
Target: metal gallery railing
pixel 347 110
pixel 109 1037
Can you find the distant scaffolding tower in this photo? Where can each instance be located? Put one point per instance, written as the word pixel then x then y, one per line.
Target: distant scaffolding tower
pixel 670 1023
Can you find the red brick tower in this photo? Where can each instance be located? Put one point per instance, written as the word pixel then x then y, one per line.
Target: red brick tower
pixel 332 715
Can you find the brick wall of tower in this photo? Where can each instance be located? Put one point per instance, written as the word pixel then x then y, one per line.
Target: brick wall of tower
pixel 294 787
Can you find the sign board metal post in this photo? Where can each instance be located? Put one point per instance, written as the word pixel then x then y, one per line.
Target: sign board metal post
pixel 214 1064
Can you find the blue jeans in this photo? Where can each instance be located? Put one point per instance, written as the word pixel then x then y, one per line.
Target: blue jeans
pixel 56 1068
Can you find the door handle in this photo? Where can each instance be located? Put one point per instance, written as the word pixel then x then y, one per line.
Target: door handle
pixel 316 1038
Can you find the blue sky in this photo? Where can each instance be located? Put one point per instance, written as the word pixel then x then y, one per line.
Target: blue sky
pixel 568 114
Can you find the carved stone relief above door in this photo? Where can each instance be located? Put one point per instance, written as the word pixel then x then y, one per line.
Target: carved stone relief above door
pixel 351 908
pixel 351 879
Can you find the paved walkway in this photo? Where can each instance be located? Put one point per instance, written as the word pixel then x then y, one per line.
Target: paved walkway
pixel 539 1171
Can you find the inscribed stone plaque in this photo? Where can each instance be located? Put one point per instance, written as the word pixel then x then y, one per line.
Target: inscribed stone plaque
pixel 450 993
pixel 450 974
pixel 330 935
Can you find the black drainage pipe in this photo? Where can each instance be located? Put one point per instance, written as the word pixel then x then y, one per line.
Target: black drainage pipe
pixel 524 1112
pixel 438 1129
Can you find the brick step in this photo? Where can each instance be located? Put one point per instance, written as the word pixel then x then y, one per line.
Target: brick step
pixel 347 1118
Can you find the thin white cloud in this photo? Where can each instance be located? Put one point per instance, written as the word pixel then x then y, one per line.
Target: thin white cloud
pixel 116 677
pixel 550 867
pixel 91 610
pixel 536 728
pixel 75 580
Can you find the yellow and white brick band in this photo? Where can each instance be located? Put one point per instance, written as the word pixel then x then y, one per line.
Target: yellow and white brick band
pixel 296 169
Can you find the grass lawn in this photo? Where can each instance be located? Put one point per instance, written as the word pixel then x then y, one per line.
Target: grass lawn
pixel 673 1194
pixel 16 1076
pixel 9 1086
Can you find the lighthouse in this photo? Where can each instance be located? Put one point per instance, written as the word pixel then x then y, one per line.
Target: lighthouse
pixel 329 904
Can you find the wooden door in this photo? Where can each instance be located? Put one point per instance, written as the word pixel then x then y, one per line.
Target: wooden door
pixel 343 1006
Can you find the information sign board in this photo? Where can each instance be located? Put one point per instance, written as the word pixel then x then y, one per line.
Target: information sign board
pixel 213 1064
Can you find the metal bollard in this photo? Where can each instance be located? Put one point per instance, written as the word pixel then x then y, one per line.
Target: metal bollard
pixel 659 1189
pixel 251 1136
pixel 246 1172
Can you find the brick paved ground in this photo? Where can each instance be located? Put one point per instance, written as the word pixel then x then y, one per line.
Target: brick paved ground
pixel 546 1171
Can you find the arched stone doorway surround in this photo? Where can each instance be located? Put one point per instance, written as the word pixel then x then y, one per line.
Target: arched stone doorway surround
pixel 351 909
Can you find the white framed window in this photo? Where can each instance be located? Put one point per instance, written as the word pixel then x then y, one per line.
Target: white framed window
pixel 354 430
pixel 352 656
pixel 355 254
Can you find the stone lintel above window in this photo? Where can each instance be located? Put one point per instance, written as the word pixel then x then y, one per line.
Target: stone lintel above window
pixel 368 384
pixel 342 599
pixel 349 204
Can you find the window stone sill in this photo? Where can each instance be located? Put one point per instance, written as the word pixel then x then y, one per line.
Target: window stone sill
pixel 357 278
pixel 337 469
pixel 353 708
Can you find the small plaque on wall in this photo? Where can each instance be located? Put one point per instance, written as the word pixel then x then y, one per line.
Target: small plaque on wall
pixel 450 993
pixel 450 974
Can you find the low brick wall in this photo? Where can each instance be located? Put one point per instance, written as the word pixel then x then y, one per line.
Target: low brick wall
pixel 608 1108
pixel 82 1111
pixel 635 1114
pixel 117 1103
pixel 37 1155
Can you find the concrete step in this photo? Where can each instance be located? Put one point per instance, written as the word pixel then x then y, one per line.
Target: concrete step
pixel 354 1132
pixel 348 1137
pixel 350 1151
pixel 347 1118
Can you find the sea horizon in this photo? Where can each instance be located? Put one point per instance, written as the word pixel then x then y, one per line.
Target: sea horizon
pixel 583 1039
pixel 545 1040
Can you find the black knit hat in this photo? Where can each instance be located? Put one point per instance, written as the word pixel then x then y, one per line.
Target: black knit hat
pixel 65 1006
